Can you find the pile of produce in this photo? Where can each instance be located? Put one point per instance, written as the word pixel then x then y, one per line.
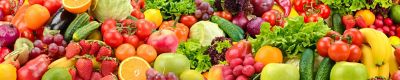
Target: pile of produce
pixel 199 39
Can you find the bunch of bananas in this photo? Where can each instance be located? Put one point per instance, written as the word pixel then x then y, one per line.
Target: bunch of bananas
pixel 378 54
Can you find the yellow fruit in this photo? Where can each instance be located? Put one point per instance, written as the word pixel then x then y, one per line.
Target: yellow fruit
pixel 76 6
pixel 8 72
pixel 153 15
pixel 133 68
pixel 378 42
pixel 368 61
pixel 63 63
pixel 394 40
pixel 367 15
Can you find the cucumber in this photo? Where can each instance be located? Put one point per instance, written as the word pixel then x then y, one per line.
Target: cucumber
pixel 307 65
pixel 233 31
pixel 85 31
pixel 324 69
pixel 78 22
pixel 337 23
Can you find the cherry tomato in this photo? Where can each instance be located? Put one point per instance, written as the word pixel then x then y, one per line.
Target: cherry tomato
pixel 312 18
pixel 333 34
pixel 131 39
pixel 107 25
pixel 188 20
pixel 144 28
pixel 323 45
pixel 339 51
pixel 52 5
pixel 354 35
pixel 272 16
pixel 355 53
pixel 325 11
pixel 113 38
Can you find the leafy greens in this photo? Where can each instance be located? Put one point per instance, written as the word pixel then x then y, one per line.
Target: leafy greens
pixel 195 52
pixel 346 6
pixel 170 9
pixel 294 38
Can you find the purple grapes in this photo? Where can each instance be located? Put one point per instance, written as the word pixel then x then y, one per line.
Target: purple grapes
pixel 58 39
pixel 47 39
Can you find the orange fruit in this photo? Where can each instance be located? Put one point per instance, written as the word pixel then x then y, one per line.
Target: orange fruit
pixel 269 54
pixel 367 15
pixel 76 6
pixel 147 52
pixel 124 51
pixel 133 68
pixel 36 16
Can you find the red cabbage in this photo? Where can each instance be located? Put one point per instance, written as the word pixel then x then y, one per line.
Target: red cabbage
pixel 8 35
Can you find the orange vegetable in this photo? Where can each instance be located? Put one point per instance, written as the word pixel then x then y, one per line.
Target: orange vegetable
pixel 36 16
pixel 180 29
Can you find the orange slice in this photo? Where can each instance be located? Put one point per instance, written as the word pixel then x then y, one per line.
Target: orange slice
pixel 76 6
pixel 133 68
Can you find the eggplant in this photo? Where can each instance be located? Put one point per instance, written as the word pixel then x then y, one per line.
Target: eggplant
pixel 60 20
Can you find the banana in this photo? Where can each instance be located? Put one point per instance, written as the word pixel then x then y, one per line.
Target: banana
pixel 383 71
pixel 63 63
pixel 378 42
pixel 368 61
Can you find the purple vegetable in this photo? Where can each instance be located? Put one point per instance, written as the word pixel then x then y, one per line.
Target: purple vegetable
pixel 261 6
pixel 8 35
pixel 253 27
pixel 241 20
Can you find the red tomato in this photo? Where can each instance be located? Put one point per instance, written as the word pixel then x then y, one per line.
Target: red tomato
pixel 131 39
pixel 52 5
pixel 188 20
pixel 272 16
pixel 26 33
pixel 323 45
pixel 355 54
pixel 224 14
pixel 333 34
pixel 312 18
pixel 300 4
pixel 354 35
pixel 108 25
pixel 325 11
pixel 339 51
pixel 113 38
pixel 128 26
pixel 144 28
pixel 6 7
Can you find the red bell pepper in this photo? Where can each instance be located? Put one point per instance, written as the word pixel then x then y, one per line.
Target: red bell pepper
pixel 35 68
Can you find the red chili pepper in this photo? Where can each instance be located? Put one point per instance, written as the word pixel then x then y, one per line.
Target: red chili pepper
pixel 35 68
pixel 286 6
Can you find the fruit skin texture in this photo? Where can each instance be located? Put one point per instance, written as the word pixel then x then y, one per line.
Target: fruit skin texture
pixel 278 71
pixel 396 76
pixel 394 12
pixel 108 66
pixel 379 44
pixel 72 49
pixel 269 54
pixel 323 45
pixel 153 15
pixel 348 71
pixel 215 73
pixel 368 61
pixel 348 21
pixel 355 54
pixel 367 15
pixel 147 52
pixel 8 72
pixel 339 51
pixel 76 9
pixel 163 41
pixel 124 51
pixel 103 51
pixel 84 67
pixel 191 75
pixel 171 62
pixel 36 16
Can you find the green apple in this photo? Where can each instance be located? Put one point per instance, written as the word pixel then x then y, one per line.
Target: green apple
pixel 171 62
pixel 191 75
pixel 349 71
pixel 279 71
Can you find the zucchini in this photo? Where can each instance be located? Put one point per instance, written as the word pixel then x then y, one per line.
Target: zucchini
pixel 233 31
pixel 307 65
pixel 78 22
pixel 85 31
pixel 337 23
pixel 324 69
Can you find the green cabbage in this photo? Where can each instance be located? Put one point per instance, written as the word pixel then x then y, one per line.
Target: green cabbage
pixel 205 32
pixel 115 9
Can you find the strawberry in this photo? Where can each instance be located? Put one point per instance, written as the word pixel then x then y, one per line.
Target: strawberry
pixel 361 22
pixel 108 66
pixel 72 49
pixel 96 76
pixel 84 66
pixel 103 52
pixel 73 73
pixel 109 77
pixel 85 47
pixel 94 48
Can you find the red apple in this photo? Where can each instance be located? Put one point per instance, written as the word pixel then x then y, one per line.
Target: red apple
pixel 396 75
pixel 163 41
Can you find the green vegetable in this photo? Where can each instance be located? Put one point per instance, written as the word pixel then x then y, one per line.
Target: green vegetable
pixel 233 31
pixel 337 23
pixel 293 39
pixel 307 65
pixel 346 6
pixel 394 13
pixel 57 74
pixel 78 22
pixel 205 32
pixel 85 31
pixel 22 48
pixel 170 9
pixel 195 52
pixel 324 69
pixel 115 9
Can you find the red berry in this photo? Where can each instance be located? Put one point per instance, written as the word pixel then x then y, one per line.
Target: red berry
pixel 84 66
pixel 94 48
pixel 72 49
pixel 85 47
pixel 108 66
pixel 96 76
pixel 103 52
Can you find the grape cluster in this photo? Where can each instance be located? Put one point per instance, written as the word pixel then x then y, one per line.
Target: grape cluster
pixel 54 46
pixel 154 75
pixel 241 68
pixel 203 10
